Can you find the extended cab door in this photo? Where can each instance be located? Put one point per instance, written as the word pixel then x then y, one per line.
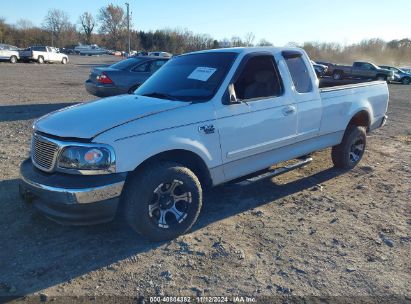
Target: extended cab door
pixel 306 95
pixel 261 119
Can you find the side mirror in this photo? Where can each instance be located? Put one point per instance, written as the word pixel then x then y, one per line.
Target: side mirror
pixel 232 94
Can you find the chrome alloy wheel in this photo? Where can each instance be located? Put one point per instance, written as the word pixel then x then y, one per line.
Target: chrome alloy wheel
pixel 357 150
pixel 169 204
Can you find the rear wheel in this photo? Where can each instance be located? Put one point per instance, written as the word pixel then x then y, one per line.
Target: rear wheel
pixel 40 59
pixel 351 150
pixel 406 80
pixel 13 59
pixel 338 75
pixel 162 201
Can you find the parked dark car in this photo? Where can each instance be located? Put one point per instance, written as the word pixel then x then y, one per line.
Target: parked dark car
pixel 399 74
pixel 123 77
pixel 362 70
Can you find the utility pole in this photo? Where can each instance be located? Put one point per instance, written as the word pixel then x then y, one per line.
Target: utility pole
pixel 128 27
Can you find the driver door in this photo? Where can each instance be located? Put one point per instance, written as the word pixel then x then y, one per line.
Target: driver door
pixel 263 119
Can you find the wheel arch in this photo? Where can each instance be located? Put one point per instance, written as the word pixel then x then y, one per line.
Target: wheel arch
pixel 361 118
pixel 186 158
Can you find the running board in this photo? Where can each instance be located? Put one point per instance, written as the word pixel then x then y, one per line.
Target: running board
pixel 278 171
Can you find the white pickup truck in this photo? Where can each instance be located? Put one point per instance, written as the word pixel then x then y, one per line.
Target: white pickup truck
pixel 203 119
pixel 43 54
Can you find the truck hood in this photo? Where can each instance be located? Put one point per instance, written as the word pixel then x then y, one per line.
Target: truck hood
pixel 87 120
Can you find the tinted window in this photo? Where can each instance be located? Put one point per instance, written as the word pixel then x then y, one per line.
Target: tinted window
pixel 39 48
pixel 258 79
pixel 155 65
pixel 126 64
pixel 299 74
pixel 141 68
pixel 367 66
pixel 193 77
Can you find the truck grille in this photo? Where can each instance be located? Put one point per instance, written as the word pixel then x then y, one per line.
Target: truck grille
pixel 43 153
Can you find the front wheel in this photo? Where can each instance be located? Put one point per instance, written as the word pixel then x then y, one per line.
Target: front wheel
pixel 406 81
pixel 13 59
pixel 64 60
pixel 351 150
pixel 162 201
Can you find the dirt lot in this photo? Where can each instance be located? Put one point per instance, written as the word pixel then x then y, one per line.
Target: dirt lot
pixel 315 231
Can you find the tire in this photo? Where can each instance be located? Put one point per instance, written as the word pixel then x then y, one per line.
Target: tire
pixel 40 59
pixel 406 81
pixel 338 75
pixel 13 59
pixel 350 151
pixel 168 217
pixel 64 60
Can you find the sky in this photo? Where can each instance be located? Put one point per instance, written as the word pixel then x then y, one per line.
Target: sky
pixel 280 22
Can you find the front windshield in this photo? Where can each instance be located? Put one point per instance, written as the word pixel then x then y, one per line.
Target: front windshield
pixel 192 77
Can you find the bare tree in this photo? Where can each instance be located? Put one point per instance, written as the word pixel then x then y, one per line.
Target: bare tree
pixel 264 42
pixel 3 28
pixel 87 23
pixel 236 41
pixel 113 24
pixel 56 22
pixel 249 39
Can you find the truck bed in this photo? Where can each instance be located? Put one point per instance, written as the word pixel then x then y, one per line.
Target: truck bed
pixel 329 82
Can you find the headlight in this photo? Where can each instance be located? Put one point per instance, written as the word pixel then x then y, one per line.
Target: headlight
pixel 85 158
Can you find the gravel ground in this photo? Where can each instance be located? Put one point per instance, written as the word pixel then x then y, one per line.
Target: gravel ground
pixel 316 231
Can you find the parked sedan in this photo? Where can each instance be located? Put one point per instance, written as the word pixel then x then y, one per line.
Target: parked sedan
pixel 399 74
pixel 9 53
pixel 123 77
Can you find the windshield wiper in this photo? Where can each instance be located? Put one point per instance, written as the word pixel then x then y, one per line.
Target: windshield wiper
pixel 160 95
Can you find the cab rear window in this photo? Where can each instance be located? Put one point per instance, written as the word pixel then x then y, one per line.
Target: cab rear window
pixel 299 73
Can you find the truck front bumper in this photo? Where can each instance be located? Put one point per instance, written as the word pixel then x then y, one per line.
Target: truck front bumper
pixel 72 199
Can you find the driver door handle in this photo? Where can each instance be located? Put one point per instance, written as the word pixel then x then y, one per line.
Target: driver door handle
pixel 289 110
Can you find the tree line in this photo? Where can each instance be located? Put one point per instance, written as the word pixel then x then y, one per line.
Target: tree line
pixel 108 28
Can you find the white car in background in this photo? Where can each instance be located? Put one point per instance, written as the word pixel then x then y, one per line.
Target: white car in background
pixel 43 54
pixel 160 54
pixel 9 53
